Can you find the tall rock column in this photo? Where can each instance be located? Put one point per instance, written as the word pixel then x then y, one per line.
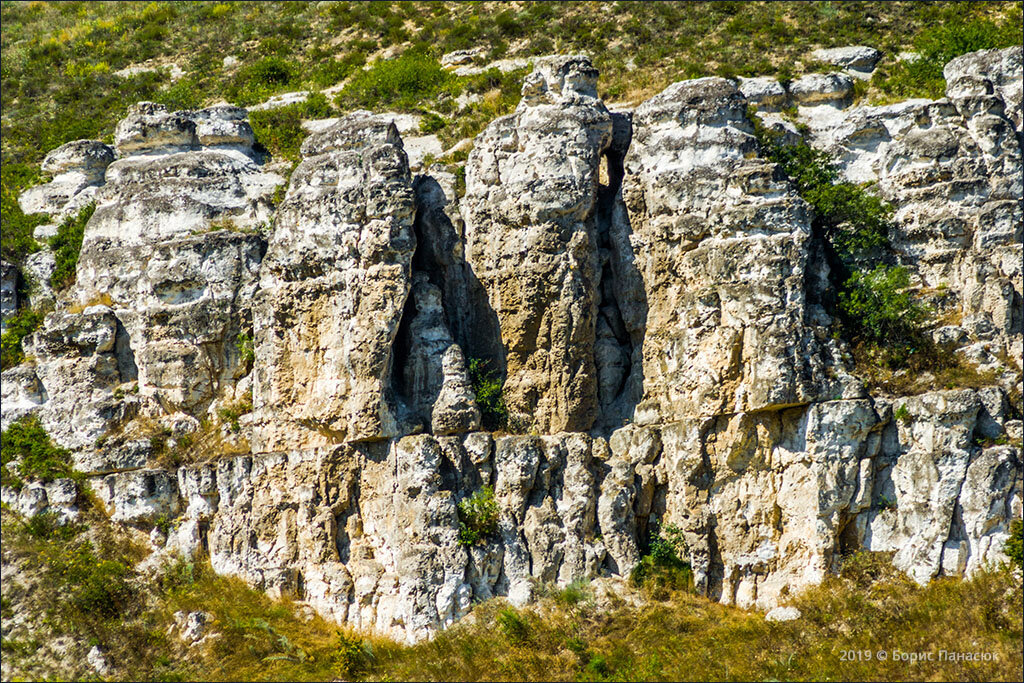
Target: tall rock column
pixel 332 289
pixel 529 209
pixel 722 243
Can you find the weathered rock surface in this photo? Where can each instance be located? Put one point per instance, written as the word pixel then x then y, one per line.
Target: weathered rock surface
pixel 8 292
pixel 530 211
pixel 647 284
pixel 952 170
pixel 859 60
pixel 722 243
pixel 77 169
pixel 333 287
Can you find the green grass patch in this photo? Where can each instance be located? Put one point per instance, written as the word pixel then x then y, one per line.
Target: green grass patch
pixel 20 325
pixel 404 83
pixel 66 246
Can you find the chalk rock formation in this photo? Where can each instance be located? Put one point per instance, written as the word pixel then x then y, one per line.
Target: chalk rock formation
pixel 529 209
pixel 333 287
pixel 646 283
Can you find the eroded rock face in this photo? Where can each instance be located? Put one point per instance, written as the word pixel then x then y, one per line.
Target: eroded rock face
pixel 952 170
pixel 77 169
pixel 333 286
pixel 649 285
pixel 722 243
pixel 530 211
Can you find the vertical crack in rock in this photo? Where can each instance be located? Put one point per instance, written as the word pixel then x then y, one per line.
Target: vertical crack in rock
pixel 622 303
pixel 126 366
pixel 430 373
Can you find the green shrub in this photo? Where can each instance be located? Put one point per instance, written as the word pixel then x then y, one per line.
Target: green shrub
pixel 515 628
pixel 431 123
pixel 664 564
pixel 26 452
pixel 90 586
pixel 66 245
pixel 246 351
pixel 902 413
pixel 573 594
pixel 48 526
pixel 852 220
pixel 268 76
pixel 354 656
pixel 16 241
pixel 19 326
pixel 1014 547
pixel 280 130
pixel 936 46
pixel 403 83
pixel 487 386
pixel 332 71
pixel 877 308
pixel 478 517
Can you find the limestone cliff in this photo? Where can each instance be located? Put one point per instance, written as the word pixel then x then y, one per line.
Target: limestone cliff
pixel 646 282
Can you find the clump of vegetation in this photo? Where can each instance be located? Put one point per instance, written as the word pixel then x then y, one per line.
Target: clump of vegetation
pixel 232 413
pixel 854 222
pixel 66 245
pixel 478 517
pixel 19 326
pixel 402 83
pixel 27 452
pixel 258 81
pixel 16 240
pixel 902 414
pixel 664 564
pixel 878 314
pixel 279 131
pixel 487 387
pixel 246 350
pixel 431 123
pixel 1014 547
pixel 922 76
pixel 879 306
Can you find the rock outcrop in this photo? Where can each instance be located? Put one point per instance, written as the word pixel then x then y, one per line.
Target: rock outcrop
pixel 530 210
pixel 645 282
pixel 333 287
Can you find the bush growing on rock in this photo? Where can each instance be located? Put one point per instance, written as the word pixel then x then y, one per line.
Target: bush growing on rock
pixel 26 452
pixel 664 565
pixel 487 387
pixel 880 309
pixel 19 326
pixel 478 517
pixel 280 131
pixel 1014 547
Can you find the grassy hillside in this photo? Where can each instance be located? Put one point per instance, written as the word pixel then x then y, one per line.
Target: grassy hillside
pixel 60 59
pixel 84 584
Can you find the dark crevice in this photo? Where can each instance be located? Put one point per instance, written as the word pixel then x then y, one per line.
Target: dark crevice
pixel 622 304
pixel 126 367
